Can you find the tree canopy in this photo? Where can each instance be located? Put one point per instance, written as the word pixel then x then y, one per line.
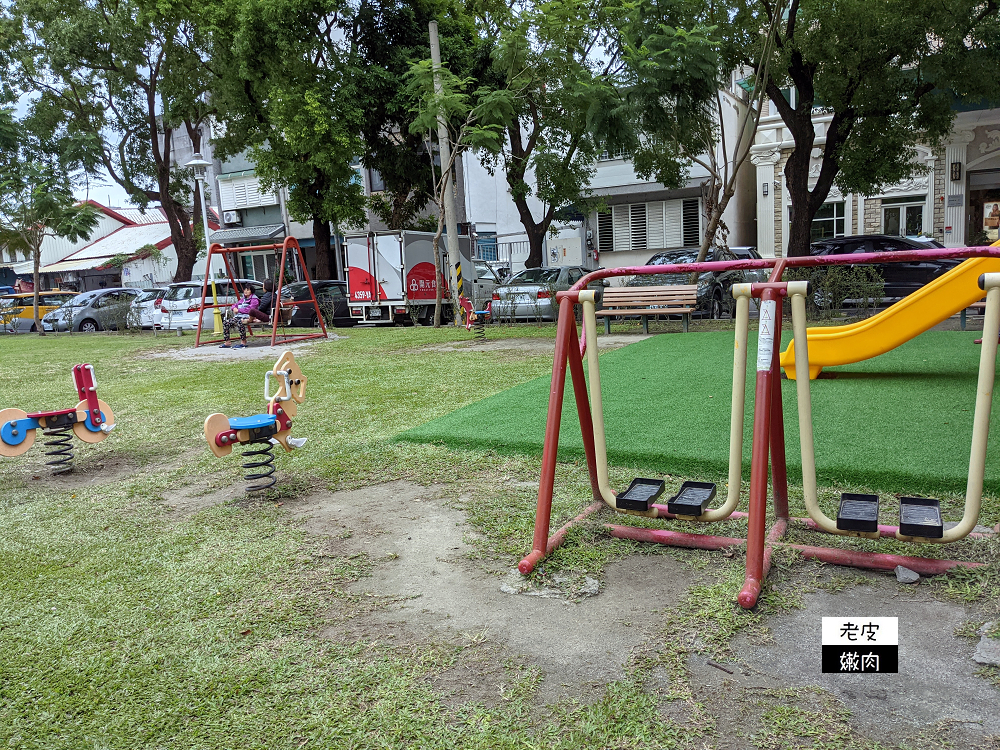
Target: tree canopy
pixel 885 74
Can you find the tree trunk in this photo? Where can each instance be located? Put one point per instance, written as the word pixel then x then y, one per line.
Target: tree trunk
pixel 321 233
pixel 435 245
pixel 37 253
pixel 187 256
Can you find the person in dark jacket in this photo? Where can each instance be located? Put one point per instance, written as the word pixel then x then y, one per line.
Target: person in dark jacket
pixel 263 312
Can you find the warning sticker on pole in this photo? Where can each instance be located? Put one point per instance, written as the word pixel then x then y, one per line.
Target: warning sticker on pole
pixel 765 335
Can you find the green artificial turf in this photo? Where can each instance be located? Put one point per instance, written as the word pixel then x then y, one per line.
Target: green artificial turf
pixel 899 423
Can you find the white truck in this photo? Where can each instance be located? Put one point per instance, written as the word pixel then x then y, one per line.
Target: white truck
pixel 390 276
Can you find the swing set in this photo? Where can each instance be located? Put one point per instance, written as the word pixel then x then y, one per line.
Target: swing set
pixel 282 310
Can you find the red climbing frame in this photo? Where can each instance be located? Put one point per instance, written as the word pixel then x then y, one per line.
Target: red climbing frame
pixel 768 452
pixel 290 244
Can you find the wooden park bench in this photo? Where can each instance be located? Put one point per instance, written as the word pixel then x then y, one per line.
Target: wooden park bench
pixel 643 301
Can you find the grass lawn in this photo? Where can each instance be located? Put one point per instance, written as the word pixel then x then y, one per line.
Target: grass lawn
pixel 124 624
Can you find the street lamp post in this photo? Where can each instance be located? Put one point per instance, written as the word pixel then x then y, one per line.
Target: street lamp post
pixel 199 164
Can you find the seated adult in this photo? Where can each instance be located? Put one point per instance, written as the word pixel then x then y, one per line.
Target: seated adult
pixel 263 312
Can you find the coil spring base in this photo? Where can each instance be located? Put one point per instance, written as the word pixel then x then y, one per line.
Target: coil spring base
pixel 61 442
pixel 479 329
pixel 265 448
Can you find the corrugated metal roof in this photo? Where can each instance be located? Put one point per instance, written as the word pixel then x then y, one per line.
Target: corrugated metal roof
pixel 150 216
pixel 125 240
pixel 248 234
pixel 84 264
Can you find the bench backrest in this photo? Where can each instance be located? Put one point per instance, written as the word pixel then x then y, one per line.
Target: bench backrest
pixel 680 294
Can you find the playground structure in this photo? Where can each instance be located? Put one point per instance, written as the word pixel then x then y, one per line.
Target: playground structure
pixel 289 250
pixel 261 432
pixel 91 420
pixel 920 519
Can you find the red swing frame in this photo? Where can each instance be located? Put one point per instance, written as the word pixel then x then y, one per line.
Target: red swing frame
pixel 289 244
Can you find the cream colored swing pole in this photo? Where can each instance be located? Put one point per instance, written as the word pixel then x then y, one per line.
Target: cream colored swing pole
pixel 798 290
pixel 587 297
pixel 990 282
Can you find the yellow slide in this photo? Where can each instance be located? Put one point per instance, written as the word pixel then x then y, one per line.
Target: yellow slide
pixel 937 301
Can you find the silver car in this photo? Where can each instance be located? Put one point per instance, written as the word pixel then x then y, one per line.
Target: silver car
pixel 98 310
pixel 531 294
pixel 179 308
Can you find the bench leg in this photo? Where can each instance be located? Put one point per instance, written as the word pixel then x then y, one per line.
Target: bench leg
pixel 687 319
pixel 645 324
pixel 607 324
pixel 962 318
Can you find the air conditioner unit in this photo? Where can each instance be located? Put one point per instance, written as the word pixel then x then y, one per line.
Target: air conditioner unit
pixel 231 217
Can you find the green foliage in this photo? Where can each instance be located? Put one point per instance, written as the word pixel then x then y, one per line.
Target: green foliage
pixel 861 286
pixel 556 59
pixel 884 72
pixel 111 81
pixel 672 76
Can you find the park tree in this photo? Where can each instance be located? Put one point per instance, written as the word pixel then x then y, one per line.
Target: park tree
pixel 384 39
pixel 473 122
pixel 282 95
pixel 556 60
pixel 673 86
pixel 124 76
pixel 36 194
pixel 885 73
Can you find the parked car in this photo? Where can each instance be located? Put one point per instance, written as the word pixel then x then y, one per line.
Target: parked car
pixel 715 296
pixel 531 293
pixel 18 314
pixel 331 295
pixel 146 304
pixel 900 279
pixel 5 290
pixel 180 305
pixel 98 310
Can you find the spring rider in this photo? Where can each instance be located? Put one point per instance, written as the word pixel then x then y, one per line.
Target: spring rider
pixel 90 420
pixel 260 433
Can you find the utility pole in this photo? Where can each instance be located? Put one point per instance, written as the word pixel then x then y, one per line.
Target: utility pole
pixel 444 149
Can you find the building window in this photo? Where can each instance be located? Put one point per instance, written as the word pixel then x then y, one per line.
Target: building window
pixel 903 217
pixel 652 226
pixel 828 222
pixel 376 181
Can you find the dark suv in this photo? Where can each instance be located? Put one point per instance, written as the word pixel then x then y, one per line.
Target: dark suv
pixel 901 279
pixel 715 297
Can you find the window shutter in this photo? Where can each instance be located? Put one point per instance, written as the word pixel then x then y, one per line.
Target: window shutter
pixel 605 232
pixel 621 217
pixel 654 226
pixel 637 215
pixel 692 223
pixel 673 235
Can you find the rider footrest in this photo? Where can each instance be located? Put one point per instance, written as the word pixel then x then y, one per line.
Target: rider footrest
pixel 857 512
pixel 692 499
pixel 640 494
pixel 920 516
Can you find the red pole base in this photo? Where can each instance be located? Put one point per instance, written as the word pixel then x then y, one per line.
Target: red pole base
pixel 673 538
pixel 555 541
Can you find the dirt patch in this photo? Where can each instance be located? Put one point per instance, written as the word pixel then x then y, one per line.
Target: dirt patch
pixel 255 350
pixel 88 470
pixel 530 346
pixel 440 595
pixel 936 683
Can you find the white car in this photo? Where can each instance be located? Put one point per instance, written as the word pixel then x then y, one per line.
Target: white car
pixel 180 304
pixel 147 303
